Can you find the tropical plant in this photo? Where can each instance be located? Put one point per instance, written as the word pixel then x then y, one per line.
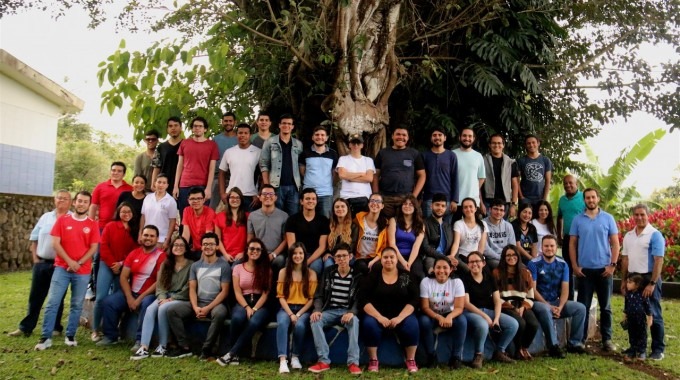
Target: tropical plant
pixel 669 195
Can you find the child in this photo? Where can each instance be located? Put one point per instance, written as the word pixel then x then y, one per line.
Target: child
pixel 638 316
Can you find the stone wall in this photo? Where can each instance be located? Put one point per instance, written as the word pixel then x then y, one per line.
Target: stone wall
pixel 18 215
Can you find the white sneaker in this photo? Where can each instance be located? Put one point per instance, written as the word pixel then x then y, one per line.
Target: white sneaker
pixel 43 344
pixel 95 336
pixel 295 363
pixel 283 366
pixel 70 341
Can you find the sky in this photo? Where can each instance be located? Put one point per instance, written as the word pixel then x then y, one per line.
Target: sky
pixel 67 52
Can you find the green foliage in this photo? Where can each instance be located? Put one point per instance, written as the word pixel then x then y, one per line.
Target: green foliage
pixel 669 195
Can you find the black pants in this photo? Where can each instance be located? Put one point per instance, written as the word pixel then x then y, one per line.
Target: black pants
pixel 528 326
pixel 637 333
pixel 40 287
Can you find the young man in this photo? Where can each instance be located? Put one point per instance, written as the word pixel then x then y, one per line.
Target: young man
pixel 279 165
pixel 310 228
pixel 570 205
pixel 241 161
pixel 269 225
pixel 263 133
pixel 356 172
pixel 438 239
pixel 471 171
pixel 502 177
pixel 137 287
pixel 224 141
pixel 209 282
pixel 166 158
pixel 43 265
pixel 335 304
pixel 594 252
pixel 536 172
pixel 143 160
pixel 197 220
pixel 441 167
pixel 551 291
pixel 196 164
pixel 317 168
pixel 500 233
pixel 74 238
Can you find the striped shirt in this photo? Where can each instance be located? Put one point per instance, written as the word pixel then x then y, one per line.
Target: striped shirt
pixel 340 290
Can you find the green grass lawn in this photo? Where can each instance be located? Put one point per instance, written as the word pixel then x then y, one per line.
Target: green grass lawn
pixel 19 361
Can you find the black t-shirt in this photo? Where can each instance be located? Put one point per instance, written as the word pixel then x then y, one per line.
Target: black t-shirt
pixel 308 232
pixel 481 294
pixel 498 182
pixel 389 299
pixel 287 178
pixel 525 238
pixel 398 170
pixel 166 159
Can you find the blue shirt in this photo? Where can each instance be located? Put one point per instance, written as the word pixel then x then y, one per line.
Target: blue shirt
pixel 441 175
pixel 594 250
pixel 549 277
pixel 471 170
pixel 568 208
pixel 319 169
pixel 41 234
pixel 533 172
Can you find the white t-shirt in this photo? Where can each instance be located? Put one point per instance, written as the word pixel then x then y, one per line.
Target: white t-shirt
pixel 541 230
pixel 368 241
pixel 441 296
pixel 349 189
pixel 469 237
pixel 241 163
pixel 159 213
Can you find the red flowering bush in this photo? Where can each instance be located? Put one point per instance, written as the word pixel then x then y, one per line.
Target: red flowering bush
pixel 667 221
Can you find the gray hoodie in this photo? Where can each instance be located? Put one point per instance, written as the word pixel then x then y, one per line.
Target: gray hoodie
pixel 499 235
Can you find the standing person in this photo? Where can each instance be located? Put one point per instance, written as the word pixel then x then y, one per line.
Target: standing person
pixel 263 133
pixel 372 236
pixel 544 222
pixel 197 220
pixel 536 172
pixel 43 254
pixel 441 169
pixel 500 233
pixel 196 164
pixel 471 172
pixel 637 317
pixel 570 205
pixel 525 233
pixel 251 290
pixel 74 238
pixel 317 169
pixel 230 225
pixel 241 161
pixel 209 280
pixel 399 171
pixel 118 240
pixel 469 235
pixel 172 286
pixel 595 235
pixel 143 160
pixel 279 165
pixel 502 177
pixel 137 287
pixel 342 230
pixel 356 173
pixel 335 304
pixel 160 210
pixel 643 252
pixel 442 300
pixel 224 141
pixel 165 160
pixel 269 225
pixel 310 228
pixel 295 290
pixel 405 233
pixel 483 311
pixel 388 298
pixel 438 239
pixel 135 198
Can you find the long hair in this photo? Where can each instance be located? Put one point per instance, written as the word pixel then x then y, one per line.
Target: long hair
pixel 549 221
pixel 340 229
pixel 132 226
pixel 290 266
pixel 417 222
pixel 504 281
pixel 168 267
pixel 261 267
pixel 478 213
pixel 382 219
pixel 240 212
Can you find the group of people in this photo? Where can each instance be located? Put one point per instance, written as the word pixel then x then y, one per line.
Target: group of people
pixel 403 248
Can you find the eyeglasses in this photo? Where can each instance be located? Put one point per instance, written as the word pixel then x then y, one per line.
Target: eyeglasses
pixel 254 249
pixel 268 194
pixel 195 199
pixel 375 201
pixel 407 204
pixel 208 244
pixel 475 262
pixel 150 139
pixel 342 256
pixel 499 209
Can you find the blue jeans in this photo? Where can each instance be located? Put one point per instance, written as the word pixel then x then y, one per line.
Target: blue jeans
pixel 324 205
pixel 61 279
pixel 242 329
pixel 115 305
pixel 332 317
pixel 288 199
pixel 543 313
pixel 480 329
pixel 40 286
pixel 107 283
pixel 593 282
pixel 458 331
pixel 156 312
pixel 299 330
pixel 574 310
pixel 317 266
pixel 658 329
pixel 407 331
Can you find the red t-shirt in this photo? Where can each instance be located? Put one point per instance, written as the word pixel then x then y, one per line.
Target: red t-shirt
pixel 233 237
pixel 105 195
pixel 77 236
pixel 197 157
pixel 143 268
pixel 198 225
pixel 117 243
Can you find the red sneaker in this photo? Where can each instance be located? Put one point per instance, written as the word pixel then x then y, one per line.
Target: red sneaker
pixel 411 365
pixel 354 369
pixel 319 367
pixel 373 365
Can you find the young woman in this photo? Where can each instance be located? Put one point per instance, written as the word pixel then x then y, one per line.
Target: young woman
pixel 342 229
pixel 388 298
pixel 469 234
pixel 172 286
pixel 160 210
pixel 442 300
pixel 118 239
pixel 251 281
pixel 295 290
pixel 135 197
pixel 483 307
pixel 230 226
pixel 372 237
pixel 544 223
pixel 515 285
pixel 525 232
pixel 405 234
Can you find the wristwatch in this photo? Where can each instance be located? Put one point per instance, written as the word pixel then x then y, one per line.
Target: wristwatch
pixel 612 264
pixel 653 283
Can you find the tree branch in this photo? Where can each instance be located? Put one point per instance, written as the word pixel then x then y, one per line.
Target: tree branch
pixel 295 52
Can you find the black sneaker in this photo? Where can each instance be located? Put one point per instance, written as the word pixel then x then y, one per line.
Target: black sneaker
pixel 432 360
pixel 206 355
pixel 179 352
pixel 577 349
pixel 228 359
pixel 556 352
pixel 455 363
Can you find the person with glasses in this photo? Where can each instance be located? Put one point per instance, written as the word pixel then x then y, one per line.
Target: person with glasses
pixel 483 306
pixel 500 233
pixel 135 198
pixel 197 220
pixel 502 178
pixel 209 280
pixel 160 210
pixel 230 224
pixel 372 238
pixel 405 234
pixel 143 160
pixel 269 225
pixel 356 174
pixel 241 162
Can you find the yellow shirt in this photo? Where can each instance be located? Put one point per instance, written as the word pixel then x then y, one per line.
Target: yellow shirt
pixel 296 295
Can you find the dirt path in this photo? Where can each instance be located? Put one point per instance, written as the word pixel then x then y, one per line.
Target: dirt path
pixel 642 366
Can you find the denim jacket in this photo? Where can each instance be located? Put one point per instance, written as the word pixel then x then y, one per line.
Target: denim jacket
pixel 271 160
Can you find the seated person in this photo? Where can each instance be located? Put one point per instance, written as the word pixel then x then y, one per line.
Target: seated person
pixel 372 238
pixel 438 235
pixel 500 233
